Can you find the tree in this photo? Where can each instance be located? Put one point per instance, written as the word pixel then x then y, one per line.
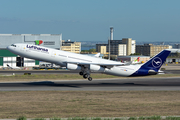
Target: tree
pixel 92 50
pixel 88 51
pixel 135 54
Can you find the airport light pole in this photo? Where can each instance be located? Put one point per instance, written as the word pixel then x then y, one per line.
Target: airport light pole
pixel 109 49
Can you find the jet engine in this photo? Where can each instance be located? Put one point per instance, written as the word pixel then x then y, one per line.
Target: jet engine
pixel 152 72
pixel 97 68
pixel 73 66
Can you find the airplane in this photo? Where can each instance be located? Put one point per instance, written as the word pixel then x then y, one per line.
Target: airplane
pixel 86 64
pixel 136 61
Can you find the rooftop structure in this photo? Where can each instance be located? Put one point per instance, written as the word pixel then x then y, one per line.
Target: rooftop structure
pixel 150 49
pixel 71 46
pixel 123 47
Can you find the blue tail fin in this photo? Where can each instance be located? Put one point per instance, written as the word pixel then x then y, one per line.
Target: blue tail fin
pixel 154 64
pixel 157 61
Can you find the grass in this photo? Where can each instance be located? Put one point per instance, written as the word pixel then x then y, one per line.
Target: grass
pixel 51 77
pixel 39 119
pixel 133 118
pixel 150 118
pixel 40 77
pixel 172 118
pixel 22 118
pixel 125 118
pixel 55 118
pixel 66 104
pixel 83 104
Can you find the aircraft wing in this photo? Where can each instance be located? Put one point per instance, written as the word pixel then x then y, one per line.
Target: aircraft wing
pixel 100 64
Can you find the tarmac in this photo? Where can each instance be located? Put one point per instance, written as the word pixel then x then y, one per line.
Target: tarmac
pixel 115 84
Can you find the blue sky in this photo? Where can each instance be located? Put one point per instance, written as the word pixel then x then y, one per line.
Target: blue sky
pixel 90 20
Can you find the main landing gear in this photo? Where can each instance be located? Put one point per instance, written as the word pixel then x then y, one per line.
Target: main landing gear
pixel 85 75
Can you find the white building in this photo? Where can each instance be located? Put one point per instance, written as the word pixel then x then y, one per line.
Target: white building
pixel 122 50
pixel 133 47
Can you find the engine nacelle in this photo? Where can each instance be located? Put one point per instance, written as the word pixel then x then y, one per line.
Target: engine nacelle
pixel 97 68
pixel 152 72
pixel 73 66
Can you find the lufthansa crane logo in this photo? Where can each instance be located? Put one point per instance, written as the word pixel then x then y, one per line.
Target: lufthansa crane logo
pixel 156 62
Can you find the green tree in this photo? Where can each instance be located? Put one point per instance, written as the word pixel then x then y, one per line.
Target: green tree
pixel 88 51
pixel 135 54
pixel 92 50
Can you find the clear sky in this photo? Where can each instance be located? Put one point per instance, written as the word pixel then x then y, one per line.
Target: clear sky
pixel 90 20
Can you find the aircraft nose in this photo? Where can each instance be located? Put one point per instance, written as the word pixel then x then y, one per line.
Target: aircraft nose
pixel 9 47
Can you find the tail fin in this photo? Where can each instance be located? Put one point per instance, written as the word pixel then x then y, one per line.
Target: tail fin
pixel 135 60
pixel 157 61
pixel 97 55
pixel 153 65
pixel 9 66
pixel 138 59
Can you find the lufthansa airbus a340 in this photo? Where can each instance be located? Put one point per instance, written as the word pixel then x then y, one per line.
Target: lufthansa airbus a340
pixel 86 64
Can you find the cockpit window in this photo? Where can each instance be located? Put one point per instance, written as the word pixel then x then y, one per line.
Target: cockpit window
pixel 13 45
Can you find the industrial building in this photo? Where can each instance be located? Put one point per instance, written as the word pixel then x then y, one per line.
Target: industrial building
pixel 123 47
pixel 172 60
pixel 150 49
pixel 48 40
pixel 70 46
pixel 6 57
pixel 176 46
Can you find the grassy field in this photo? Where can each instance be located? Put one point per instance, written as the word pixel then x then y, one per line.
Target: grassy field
pixel 108 118
pixel 64 104
pixel 40 77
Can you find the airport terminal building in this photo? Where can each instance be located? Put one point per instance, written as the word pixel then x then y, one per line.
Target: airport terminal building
pixel 7 57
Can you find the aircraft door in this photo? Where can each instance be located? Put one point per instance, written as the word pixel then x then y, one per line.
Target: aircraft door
pixel 22 48
pixel 53 54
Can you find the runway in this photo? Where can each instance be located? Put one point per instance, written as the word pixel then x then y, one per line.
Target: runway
pixel 35 72
pixel 38 71
pixel 129 84
pixel 21 72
